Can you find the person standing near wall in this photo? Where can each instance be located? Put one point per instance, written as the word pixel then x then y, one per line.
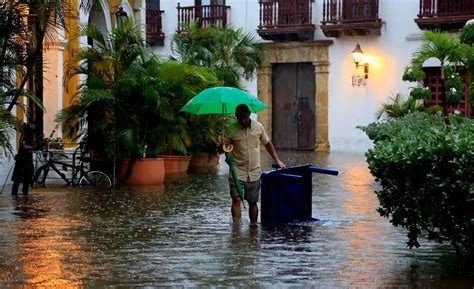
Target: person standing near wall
pixel 24 168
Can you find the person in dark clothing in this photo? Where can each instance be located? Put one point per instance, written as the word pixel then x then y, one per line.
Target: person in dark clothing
pixel 24 168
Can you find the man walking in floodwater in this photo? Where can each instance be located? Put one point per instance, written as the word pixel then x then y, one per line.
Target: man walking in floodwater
pixel 245 136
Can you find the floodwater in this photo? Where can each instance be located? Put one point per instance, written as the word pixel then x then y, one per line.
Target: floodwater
pixel 181 235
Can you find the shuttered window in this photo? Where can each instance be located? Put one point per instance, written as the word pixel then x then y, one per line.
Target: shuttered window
pixel 433 81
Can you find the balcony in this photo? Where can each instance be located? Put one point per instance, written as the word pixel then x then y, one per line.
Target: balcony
pixel 350 17
pixel 286 20
pixel 446 15
pixel 154 33
pixel 203 15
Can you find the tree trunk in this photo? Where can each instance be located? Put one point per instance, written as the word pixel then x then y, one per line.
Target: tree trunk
pixel 445 101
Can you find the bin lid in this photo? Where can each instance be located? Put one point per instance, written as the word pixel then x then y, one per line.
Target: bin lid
pixel 287 170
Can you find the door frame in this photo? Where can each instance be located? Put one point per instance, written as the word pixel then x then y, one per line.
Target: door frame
pixel 315 52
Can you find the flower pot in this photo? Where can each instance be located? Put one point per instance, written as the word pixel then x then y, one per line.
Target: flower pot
pixel 203 162
pixel 145 172
pixel 175 165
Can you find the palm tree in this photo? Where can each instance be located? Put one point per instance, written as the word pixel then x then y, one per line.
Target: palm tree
pixel 103 63
pixel 12 53
pixel 43 19
pixel 450 53
pixel 20 55
pixel 231 53
pixel 398 106
pixel 111 54
pixel 24 26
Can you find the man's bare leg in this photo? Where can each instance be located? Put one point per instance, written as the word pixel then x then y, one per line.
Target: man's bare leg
pixel 253 212
pixel 236 213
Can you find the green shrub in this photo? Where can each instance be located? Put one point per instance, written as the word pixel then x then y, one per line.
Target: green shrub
pixel 426 171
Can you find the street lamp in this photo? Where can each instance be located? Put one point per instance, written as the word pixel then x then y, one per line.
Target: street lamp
pixel 121 15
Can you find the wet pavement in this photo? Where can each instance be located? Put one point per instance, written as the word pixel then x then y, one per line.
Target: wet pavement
pixel 181 235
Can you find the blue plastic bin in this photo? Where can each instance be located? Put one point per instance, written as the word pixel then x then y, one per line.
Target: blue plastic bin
pixel 286 194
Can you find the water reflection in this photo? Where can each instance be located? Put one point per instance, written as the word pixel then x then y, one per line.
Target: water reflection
pixel 40 254
pixel 181 235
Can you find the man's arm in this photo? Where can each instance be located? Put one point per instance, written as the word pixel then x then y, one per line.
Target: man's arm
pixel 271 150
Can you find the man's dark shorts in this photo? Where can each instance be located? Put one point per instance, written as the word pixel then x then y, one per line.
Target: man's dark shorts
pixel 251 190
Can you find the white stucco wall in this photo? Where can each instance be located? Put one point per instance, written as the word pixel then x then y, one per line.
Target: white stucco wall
pixel 387 55
pixel 6 166
pixel 349 106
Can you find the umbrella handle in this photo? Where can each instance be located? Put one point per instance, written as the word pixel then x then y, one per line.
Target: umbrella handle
pixel 225 147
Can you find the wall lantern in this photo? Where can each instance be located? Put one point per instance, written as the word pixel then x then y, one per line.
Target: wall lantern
pixel 121 15
pixel 358 79
pixel 357 55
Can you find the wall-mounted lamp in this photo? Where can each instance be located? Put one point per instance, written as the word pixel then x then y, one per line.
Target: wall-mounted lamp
pixel 357 55
pixel 358 80
pixel 121 15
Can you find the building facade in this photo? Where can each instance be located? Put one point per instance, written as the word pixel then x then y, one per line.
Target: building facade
pixel 317 95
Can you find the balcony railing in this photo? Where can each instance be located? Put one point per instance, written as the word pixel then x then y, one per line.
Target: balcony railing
pixel 448 15
pixel 351 17
pixel 154 33
pixel 204 16
pixel 286 20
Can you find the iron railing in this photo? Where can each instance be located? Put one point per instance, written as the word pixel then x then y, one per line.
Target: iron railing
pixel 203 15
pixel 445 8
pixel 285 13
pixel 350 11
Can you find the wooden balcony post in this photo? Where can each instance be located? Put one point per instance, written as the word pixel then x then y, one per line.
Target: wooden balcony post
pixel 179 18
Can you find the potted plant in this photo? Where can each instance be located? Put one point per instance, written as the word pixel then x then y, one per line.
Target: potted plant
pixel 204 131
pixel 139 137
pixel 92 116
pixel 133 98
pixel 144 121
pixel 180 83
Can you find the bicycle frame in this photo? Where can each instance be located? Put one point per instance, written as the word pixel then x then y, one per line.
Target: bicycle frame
pixel 50 163
pixel 81 175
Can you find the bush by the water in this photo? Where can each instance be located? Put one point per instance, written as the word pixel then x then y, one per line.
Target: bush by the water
pixel 426 171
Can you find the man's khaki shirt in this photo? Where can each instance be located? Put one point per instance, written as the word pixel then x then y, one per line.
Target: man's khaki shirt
pixel 246 152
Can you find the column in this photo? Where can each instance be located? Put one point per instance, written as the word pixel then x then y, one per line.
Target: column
pixel 321 71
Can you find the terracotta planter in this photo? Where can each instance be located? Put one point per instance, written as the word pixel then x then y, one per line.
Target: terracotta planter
pixel 145 172
pixel 175 165
pixel 203 162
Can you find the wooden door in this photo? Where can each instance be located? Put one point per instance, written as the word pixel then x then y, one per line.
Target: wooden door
pixel 293 94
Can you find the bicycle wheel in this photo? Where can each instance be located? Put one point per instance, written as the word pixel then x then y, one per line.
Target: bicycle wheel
pixel 39 178
pixel 96 179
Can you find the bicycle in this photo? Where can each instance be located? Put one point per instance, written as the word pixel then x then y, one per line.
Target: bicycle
pixel 80 175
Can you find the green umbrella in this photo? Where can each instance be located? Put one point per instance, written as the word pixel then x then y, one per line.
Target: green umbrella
pixel 223 100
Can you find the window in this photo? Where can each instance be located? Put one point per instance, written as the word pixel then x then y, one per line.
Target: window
pixel 433 81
